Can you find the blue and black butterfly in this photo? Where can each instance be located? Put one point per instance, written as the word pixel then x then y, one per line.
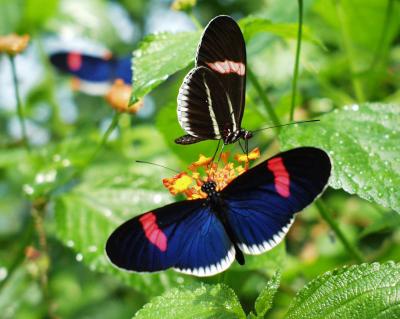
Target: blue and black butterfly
pixel 96 73
pixel 250 216
pixel 211 98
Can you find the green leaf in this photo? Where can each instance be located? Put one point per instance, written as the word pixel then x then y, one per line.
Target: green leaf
pixel 159 56
pixel 363 142
pixel 264 300
pixel 196 301
pixel 253 25
pixel 110 195
pixel 268 262
pixel 362 291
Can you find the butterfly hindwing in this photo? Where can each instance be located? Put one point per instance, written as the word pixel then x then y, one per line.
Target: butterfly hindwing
pixel 261 203
pixel 222 49
pixel 203 106
pixel 184 235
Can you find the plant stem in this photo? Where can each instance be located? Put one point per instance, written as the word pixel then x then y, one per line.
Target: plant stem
pixel 348 48
pixel 326 215
pixel 385 27
pixel 195 21
pixel 20 110
pixel 268 106
pixel 297 60
pixel 106 135
pixel 38 214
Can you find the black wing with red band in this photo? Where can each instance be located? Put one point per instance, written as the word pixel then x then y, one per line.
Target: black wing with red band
pixel 261 203
pixel 185 235
pixel 211 107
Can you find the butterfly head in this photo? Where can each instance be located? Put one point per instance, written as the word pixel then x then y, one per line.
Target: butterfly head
pixel 210 188
pixel 246 135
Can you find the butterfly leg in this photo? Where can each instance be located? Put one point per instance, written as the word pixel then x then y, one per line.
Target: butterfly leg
pixel 215 153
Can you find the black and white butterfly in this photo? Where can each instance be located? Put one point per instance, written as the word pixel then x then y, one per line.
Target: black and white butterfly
pixel 212 96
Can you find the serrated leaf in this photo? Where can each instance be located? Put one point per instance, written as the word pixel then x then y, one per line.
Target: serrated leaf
pixel 196 301
pixel 87 215
pixel 360 292
pixel 264 300
pixel 252 25
pixel 159 56
pixel 363 142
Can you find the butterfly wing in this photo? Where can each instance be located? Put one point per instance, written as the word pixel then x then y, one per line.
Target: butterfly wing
pixel 203 106
pixel 184 235
pixel 85 67
pixel 123 69
pixel 222 49
pixel 261 202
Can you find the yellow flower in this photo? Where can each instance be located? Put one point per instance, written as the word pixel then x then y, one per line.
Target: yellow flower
pixel 178 183
pixel 201 162
pixel 13 44
pixel 183 5
pixel 222 175
pixel 119 95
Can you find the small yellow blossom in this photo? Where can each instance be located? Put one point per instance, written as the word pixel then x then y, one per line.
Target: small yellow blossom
pixel 201 162
pixel 190 183
pixel 178 184
pixel 183 5
pixel 13 44
pixel 119 95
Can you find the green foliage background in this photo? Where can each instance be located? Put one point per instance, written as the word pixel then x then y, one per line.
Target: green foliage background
pixel 341 257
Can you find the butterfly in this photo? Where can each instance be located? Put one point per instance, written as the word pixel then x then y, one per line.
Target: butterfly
pixel 212 96
pixel 203 237
pixel 95 73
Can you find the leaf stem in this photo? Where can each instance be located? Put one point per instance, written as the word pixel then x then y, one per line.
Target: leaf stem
pixel 297 60
pixel 268 106
pixel 348 48
pixel 20 111
pixel 326 215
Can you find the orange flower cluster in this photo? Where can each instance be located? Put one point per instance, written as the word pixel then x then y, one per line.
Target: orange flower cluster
pixel 204 170
pixel 13 44
pixel 119 95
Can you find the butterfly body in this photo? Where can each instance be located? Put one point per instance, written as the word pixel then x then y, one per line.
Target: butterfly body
pixel 203 237
pixel 212 96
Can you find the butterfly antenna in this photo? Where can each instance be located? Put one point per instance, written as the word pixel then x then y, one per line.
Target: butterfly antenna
pixel 292 123
pixel 144 162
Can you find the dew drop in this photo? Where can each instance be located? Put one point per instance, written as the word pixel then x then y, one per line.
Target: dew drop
pixel 66 162
pixel 3 273
pixel 180 280
pixel 157 199
pixel 28 189
pixel 70 243
pixel 92 248
pixel 79 257
pixel 355 107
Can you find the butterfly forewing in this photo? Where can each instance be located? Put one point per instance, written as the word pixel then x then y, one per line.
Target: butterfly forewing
pixel 185 235
pixel 261 203
pixel 222 49
pixel 203 106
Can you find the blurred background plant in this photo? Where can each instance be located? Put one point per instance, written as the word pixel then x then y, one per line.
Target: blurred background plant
pixel 71 179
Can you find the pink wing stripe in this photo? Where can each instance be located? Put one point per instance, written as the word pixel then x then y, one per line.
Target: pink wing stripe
pixel 154 234
pixel 74 61
pixel 281 176
pixel 226 67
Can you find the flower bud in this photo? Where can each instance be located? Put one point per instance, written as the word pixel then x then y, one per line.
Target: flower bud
pixel 118 97
pixel 13 44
